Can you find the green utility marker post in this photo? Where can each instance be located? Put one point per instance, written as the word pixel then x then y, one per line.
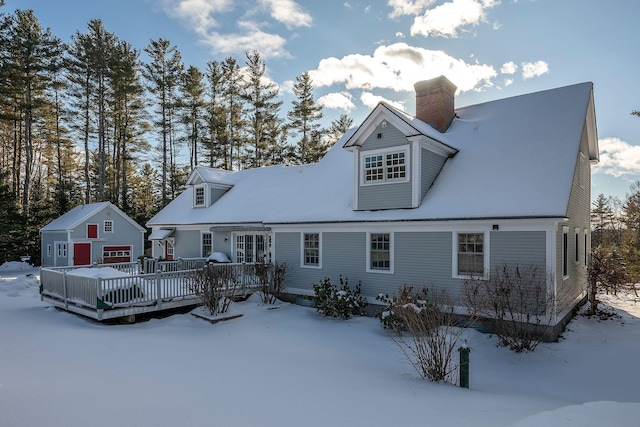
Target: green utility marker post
pixel 464 366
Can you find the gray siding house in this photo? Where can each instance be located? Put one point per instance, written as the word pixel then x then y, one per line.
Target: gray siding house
pixel 90 233
pixel 428 200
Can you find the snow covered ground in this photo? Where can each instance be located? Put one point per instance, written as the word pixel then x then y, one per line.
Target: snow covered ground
pixel 289 367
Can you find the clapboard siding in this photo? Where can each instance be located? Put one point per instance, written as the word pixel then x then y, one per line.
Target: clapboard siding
pixel 578 214
pixel 431 164
pixel 525 248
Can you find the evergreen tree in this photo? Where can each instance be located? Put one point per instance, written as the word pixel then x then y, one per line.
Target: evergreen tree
pixel 193 104
pixel 303 120
pixel 11 223
pixel 215 115
pixel 338 128
pixel 163 75
pixel 234 113
pixel 264 124
pixel 34 53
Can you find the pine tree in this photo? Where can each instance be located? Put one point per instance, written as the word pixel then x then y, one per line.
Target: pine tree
pixel 34 53
pixel 264 125
pixel 163 78
pixel 11 223
pixel 234 113
pixel 338 128
pixel 193 105
pixel 215 115
pixel 303 119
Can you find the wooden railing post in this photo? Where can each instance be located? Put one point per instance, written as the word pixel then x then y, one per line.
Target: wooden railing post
pixel 158 290
pixel 64 291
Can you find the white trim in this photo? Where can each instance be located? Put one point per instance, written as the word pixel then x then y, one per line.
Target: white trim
pixel 577 245
pixel 405 148
pixel 302 264
pixel 416 183
pixel 486 253
pixel 356 179
pixel 97 230
pixel 368 268
pixel 104 226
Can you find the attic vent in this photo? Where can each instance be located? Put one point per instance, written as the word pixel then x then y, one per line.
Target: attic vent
pixel 383 124
pixel 379 136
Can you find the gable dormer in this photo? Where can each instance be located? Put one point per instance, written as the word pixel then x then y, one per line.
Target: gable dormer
pixel 398 157
pixel 207 186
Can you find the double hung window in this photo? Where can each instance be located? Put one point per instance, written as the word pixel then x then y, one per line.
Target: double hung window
pixel 385 166
pixel 380 252
pixel 471 254
pixel 311 249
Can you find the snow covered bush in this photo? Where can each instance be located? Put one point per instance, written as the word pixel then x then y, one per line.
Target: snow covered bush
pixel 216 286
pixel 271 278
pixel 390 317
pixel 342 303
pixel 513 303
pixel 427 330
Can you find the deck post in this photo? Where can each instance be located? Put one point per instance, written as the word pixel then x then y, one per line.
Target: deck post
pixel 158 290
pixel 64 290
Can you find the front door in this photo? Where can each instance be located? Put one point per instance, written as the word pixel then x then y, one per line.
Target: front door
pixel 81 253
pixel 169 251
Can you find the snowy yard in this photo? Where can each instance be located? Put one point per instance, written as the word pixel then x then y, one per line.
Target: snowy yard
pixel 289 367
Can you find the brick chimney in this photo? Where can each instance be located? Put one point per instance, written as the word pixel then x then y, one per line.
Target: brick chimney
pixel 434 102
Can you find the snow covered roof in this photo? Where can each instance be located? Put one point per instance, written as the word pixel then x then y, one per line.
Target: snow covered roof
pixel 83 213
pixel 515 159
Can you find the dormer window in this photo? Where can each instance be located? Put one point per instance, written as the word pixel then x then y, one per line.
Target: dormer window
pixel 385 166
pixel 198 196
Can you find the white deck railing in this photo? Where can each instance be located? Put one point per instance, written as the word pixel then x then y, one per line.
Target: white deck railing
pixel 147 292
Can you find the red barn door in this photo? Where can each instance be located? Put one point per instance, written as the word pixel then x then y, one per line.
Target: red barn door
pixel 81 253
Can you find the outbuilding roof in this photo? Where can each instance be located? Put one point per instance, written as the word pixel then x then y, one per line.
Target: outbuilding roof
pixel 79 214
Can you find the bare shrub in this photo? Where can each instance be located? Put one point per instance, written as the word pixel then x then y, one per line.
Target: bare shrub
pixel 514 302
pixel 607 272
pixel 406 296
pixel 216 286
pixel 427 331
pixel 271 279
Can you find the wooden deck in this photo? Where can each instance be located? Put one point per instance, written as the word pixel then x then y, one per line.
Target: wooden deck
pixel 133 293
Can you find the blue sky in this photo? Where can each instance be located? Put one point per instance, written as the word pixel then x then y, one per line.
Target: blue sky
pixel 360 52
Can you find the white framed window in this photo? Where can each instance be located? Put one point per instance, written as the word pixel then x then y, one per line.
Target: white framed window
pixel 311 250
pixel 48 250
pixel 565 252
pixel 61 250
pixel 207 244
pixel 108 226
pixel 385 166
pixel 198 196
pixel 380 252
pixel 470 255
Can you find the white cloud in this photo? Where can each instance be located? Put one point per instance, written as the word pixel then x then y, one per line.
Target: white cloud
pixel 398 67
pixel 508 82
pixel 197 14
pixel 618 158
pixel 204 17
pixel 251 38
pixel 408 7
pixel 288 12
pixel 399 34
pixel 534 69
pixel 449 18
pixel 370 100
pixel 509 68
pixel 337 101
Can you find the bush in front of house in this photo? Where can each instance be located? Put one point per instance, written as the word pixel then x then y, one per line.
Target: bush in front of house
pixel 271 280
pixel 406 296
pixel 216 286
pixel 342 302
pixel 425 327
pixel 514 304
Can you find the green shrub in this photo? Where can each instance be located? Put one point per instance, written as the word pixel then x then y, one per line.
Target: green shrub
pixel 342 303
